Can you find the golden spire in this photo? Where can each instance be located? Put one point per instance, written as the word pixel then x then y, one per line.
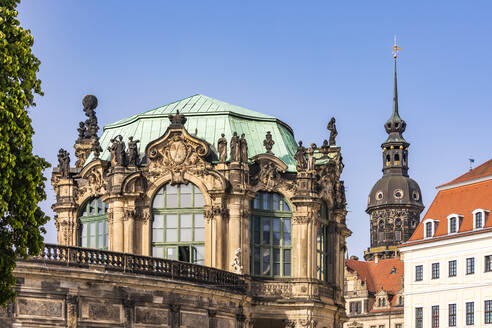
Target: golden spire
pixel 395 49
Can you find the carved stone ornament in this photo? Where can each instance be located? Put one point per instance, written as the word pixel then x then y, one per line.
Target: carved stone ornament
pixel 268 143
pixel 236 262
pixel 177 152
pixel 300 219
pixel 269 176
pixel 286 323
pixel 265 289
pixel 94 185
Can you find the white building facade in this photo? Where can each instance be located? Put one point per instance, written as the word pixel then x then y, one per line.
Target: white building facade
pixel 448 260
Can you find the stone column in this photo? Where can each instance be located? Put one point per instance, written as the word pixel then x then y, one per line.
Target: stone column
pixel 304 220
pixel 129 228
pixel 66 209
pixel 116 205
pixel 209 237
pixel 221 218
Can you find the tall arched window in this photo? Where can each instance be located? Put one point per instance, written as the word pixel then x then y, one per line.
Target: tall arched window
pixel 94 224
pixel 322 253
pixel 271 250
pixel 178 228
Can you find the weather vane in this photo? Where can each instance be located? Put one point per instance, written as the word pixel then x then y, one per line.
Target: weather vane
pixel 396 49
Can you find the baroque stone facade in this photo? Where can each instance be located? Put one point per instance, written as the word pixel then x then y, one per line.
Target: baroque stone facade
pixel 273 211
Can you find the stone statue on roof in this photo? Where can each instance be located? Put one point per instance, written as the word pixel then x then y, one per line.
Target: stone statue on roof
pixel 268 143
pixel 311 159
pixel 301 158
pixel 96 148
pixel 333 131
pixel 64 163
pixel 222 148
pixel 132 151
pixel 235 148
pixel 90 103
pixel 244 149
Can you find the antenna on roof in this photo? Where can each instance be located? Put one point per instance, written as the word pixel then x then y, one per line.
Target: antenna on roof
pixel 472 160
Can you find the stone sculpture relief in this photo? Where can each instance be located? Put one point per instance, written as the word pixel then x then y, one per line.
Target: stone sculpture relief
pixel 236 262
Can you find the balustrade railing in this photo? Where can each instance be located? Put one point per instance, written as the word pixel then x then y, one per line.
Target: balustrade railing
pixel 123 262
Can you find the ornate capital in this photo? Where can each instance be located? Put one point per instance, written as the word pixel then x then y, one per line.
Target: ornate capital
pixel 300 219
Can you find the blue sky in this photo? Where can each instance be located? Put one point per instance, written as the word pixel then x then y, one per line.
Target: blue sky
pixel 302 61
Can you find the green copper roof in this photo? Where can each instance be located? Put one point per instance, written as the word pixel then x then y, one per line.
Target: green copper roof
pixel 208 118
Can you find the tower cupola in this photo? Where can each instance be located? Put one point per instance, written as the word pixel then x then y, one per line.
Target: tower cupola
pixel 395 202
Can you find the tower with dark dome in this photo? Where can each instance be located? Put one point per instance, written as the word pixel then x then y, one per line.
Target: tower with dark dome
pixel 395 201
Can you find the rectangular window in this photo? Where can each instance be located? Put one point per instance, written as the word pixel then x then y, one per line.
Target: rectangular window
pixel 452 315
pixel 470 313
pixel 381 326
pixel 398 325
pixel 488 311
pixel 419 317
pixel 435 316
pixel 488 263
pixel 452 225
pixel 470 265
pixel 419 272
pixel 435 270
pixel 452 268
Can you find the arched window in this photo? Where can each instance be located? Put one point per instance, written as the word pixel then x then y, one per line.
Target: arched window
pixel 94 224
pixel 271 252
pixel 322 254
pixel 178 227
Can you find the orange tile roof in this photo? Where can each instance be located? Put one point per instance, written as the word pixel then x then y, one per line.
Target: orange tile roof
pixel 480 171
pixel 461 200
pixel 379 274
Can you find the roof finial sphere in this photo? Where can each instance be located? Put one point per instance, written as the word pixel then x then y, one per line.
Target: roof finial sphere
pixel 89 102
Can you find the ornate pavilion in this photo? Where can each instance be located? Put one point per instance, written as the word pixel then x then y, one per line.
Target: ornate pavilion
pixel 198 213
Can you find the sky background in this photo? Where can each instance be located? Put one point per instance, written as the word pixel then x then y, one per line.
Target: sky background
pixel 301 61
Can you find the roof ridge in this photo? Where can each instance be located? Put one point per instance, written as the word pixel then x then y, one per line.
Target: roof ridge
pixel 469 176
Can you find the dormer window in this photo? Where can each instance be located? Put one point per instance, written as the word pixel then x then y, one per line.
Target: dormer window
pixel 479 218
pixel 454 221
pixel 430 227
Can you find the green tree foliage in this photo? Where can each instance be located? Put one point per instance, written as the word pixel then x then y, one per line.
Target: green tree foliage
pixel 21 178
